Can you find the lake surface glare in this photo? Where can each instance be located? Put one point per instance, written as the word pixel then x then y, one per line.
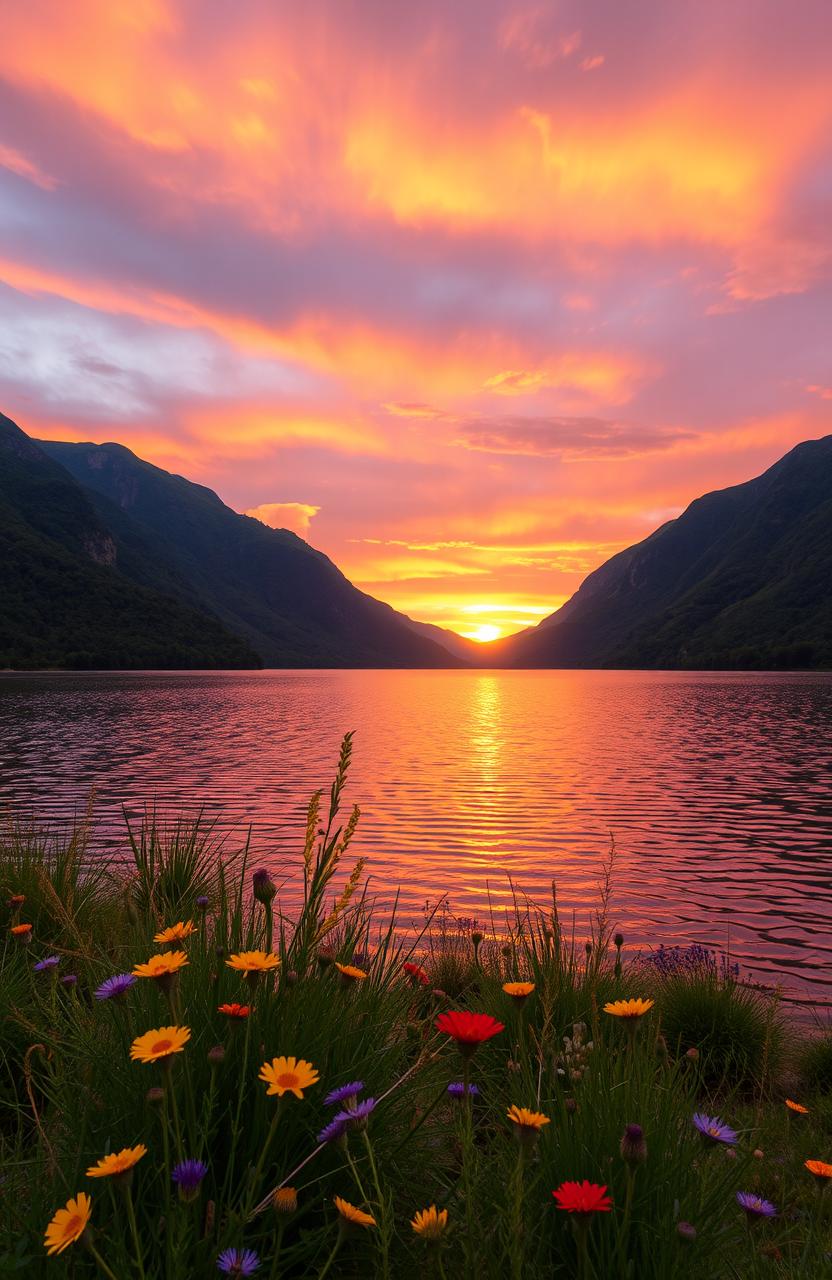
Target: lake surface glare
pixel 714 786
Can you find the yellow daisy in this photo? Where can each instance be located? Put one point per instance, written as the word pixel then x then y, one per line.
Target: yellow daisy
pixel 629 1008
pixel 176 932
pixel 288 1075
pixel 248 962
pixel 356 1217
pixel 117 1163
pixel 525 1119
pixel 430 1223
pixel 518 990
pixel 157 1045
pixel 349 973
pixel 797 1107
pixel 68 1224
pixel 162 966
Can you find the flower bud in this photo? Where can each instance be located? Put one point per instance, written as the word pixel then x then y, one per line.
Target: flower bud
pixel 202 903
pixel 571 1106
pixel 619 941
pixel 633 1146
pixel 692 1055
pixel 69 980
pixel 263 885
pixel 730 1153
pixel 290 978
pixel 155 1096
pixel 757 1154
pixel 588 949
pixel 216 1055
pixel 325 958
pixel 285 1200
pixel 685 1231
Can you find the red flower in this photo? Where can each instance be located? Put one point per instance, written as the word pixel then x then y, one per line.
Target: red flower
pixel 417 973
pixel 468 1029
pixel 235 1010
pixel 582 1197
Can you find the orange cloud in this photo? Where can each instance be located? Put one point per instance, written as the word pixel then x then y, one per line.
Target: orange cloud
pixel 295 516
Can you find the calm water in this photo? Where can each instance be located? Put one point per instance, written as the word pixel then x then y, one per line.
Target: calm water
pixel 715 787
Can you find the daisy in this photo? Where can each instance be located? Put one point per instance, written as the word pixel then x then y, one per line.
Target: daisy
pixel 468 1029
pixel 350 974
pixel 115 988
pixel 238 1262
pixel 713 1130
pixel 430 1224
pixel 236 1012
pixel 117 1164
pixel 518 991
pixel 525 1119
pixel 160 1044
pixel 346 1094
pixel 755 1207
pixel 352 1216
pixel 416 974
pixel 253 962
pixel 288 1075
pixel 162 968
pixel 176 932
pixel 69 1224
pixel 582 1197
pixel 629 1009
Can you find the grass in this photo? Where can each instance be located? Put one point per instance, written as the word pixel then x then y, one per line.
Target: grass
pixel 70 1093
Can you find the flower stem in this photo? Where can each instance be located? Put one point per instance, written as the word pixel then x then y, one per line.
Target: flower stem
pixel 134 1231
pixel 100 1261
pixel 258 1168
pixel 467 1147
pixel 382 1209
pixel 330 1259
pixel 517 1247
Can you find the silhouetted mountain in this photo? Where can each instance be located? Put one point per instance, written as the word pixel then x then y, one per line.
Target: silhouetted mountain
pixel 75 593
pixel 742 579
pixel 288 601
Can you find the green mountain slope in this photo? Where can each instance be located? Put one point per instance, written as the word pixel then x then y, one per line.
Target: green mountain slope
pixel 287 600
pixel 740 580
pixel 67 600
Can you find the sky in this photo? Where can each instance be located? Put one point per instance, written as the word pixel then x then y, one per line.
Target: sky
pixel 471 295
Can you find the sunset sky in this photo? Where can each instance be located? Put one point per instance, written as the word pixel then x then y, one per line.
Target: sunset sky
pixel 470 294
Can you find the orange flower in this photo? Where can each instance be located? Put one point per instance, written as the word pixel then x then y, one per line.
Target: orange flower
pixel 22 931
pixel 350 974
pixel 629 1008
pixel 518 991
pixel 235 1011
pixel 252 962
pixel 69 1224
pixel 288 1075
pixel 525 1119
pixel 162 967
pixel 176 932
pixel 352 1216
pixel 819 1170
pixel 118 1163
pixel 797 1107
pixel 159 1045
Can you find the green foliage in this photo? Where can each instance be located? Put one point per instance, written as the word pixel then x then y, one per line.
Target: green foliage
pixel 815 1062
pixel 69 1092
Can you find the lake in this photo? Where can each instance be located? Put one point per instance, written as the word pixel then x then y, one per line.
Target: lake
pixel 714 786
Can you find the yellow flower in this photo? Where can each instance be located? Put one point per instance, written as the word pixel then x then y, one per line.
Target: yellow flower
pixel 349 1213
pixel 253 962
pixel 798 1107
pixel 161 966
pixel 285 1200
pixel 156 1046
pixel 288 1075
pixel 68 1224
pixel 176 932
pixel 349 973
pixel 526 1119
pixel 117 1163
pixel 518 990
pixel 629 1008
pixel 430 1223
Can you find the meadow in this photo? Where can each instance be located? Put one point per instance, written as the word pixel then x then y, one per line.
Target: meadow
pixel 197 1081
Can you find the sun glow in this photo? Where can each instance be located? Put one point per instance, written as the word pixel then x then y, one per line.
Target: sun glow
pixel 485 633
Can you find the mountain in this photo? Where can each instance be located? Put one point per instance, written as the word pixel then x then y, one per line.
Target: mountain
pixel 740 580
pixel 76 593
pixel 287 601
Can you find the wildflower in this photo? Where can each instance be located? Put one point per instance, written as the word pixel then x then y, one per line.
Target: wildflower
pixel 757 1154
pixel 356 1117
pixel 633 1147
pixel 238 1262
pixel 416 974
pixel 582 1197
pixel 155 1096
pixel 335 1130
pixel 160 1044
pixel 527 1126
pixel 50 962
pixel 629 1009
pixel 692 1055
pixel 325 957
pixel 468 1029
pixel 119 1164
pixel 252 963
pixel 797 1107
pixel 69 980
pixel 285 1200
pixel 236 1012
pixel 288 1075
pixel 570 1106
pixel 216 1055
pixel 457 1089
pixel 115 988
pixel 350 1216
pixel 290 977
pixel 712 1129
pixel 819 1170
pixel 22 932
pixel 618 941
pixel 263 885
pixel 431 1224
pixel 16 901
pixel 203 902
pixel 755 1207
pixel 176 932
pixel 346 1094
pixel 686 1231
pixel 349 974
pixel 162 968
pixel 519 991
pixel 69 1224
pixel 188 1175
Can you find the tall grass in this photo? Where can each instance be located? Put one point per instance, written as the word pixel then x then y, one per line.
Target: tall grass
pixel 69 1092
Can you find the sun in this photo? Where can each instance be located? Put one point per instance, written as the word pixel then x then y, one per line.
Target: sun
pixel 485 633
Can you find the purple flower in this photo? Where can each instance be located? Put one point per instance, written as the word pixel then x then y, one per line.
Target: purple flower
pixel 754 1206
pixel 51 962
pixel 202 902
pixel 115 988
pixel 263 885
pixel 238 1262
pixel 69 980
pixel 188 1175
pixel 713 1129
pixel 356 1117
pixel 457 1090
pixel 347 1093
pixel 334 1130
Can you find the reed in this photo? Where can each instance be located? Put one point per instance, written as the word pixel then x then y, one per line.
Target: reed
pixel 207 1082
